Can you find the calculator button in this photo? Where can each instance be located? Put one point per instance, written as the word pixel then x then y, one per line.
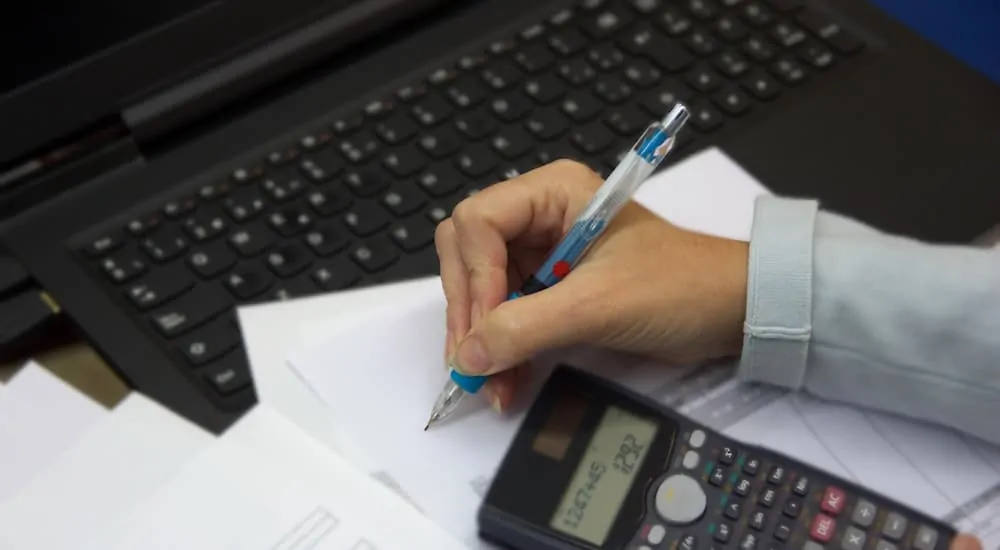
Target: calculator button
pixel 854 539
pixel 718 477
pixel 811 545
pixel 749 542
pixel 644 547
pixel 690 460
pixel 688 542
pixel 793 508
pixel 680 499
pixel 656 534
pixel 722 533
pixel 758 520
pixel 895 526
pixel 727 456
pixel 782 532
pixel 697 438
pixel 884 545
pixel 767 497
pixel 926 538
pixel 751 466
pixel 742 487
pixel 822 528
pixel 732 510
pixel 864 513
pixel 776 476
pixel 801 486
pixel 833 501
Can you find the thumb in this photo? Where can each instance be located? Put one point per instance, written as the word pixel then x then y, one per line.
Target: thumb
pixel 519 329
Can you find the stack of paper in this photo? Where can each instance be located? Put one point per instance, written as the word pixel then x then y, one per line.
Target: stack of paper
pixel 138 477
pixel 332 382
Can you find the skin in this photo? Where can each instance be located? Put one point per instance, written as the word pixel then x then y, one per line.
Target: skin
pixel 646 286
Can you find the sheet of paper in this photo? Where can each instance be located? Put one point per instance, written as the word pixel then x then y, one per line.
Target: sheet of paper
pixel 266 485
pixel 40 417
pixel 272 330
pixel 446 472
pixel 117 465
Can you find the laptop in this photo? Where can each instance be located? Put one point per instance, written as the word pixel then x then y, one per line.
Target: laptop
pixel 163 165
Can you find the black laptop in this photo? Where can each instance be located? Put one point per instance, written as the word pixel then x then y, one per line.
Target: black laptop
pixel 162 163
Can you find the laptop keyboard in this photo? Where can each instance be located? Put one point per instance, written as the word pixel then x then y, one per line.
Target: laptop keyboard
pixel 353 200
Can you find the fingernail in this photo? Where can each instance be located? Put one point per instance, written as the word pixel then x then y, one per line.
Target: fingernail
pixel 470 357
pixel 495 404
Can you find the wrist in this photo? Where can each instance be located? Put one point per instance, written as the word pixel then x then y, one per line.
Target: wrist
pixel 731 302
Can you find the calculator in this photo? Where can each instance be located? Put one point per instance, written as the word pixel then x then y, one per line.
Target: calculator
pixel 597 466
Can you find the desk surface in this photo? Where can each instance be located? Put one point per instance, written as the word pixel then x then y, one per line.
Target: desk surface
pixel 78 365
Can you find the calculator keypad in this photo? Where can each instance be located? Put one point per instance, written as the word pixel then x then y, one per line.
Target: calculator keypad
pixel 715 495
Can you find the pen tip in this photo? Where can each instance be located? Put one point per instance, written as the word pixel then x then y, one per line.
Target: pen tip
pixel 427 426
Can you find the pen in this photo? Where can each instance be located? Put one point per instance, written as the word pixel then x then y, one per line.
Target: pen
pixel 637 164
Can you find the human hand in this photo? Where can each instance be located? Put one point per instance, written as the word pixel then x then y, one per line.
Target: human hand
pixel 965 542
pixel 646 286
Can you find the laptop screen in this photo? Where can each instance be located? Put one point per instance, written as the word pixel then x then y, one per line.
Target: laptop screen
pixel 48 37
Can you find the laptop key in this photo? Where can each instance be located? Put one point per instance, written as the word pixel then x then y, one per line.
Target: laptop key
pixel 466 92
pixel 759 48
pixel 247 281
pixel 816 55
pixel 209 342
pixel 511 142
pixel 431 110
pixel 144 224
pixel 705 117
pixel 284 187
pixel 567 42
pixel 283 156
pixel 329 199
pixel 730 28
pixel 365 219
pixel 582 106
pixel 359 147
pixel 367 181
pixel 826 28
pixel 546 124
pixel 626 121
pixel 789 71
pixel 674 21
pixel 647 42
pixel 439 143
pixel 702 9
pixel 732 101
pixel 159 287
pixel 761 85
pixel 211 260
pixel 179 207
pixel 640 73
pixel 290 220
pixel 252 240
pixel 576 72
pixel 326 239
pixel 403 199
pixel 244 204
pixel 757 14
pixel 190 311
pixel 375 254
pixel 322 165
pixel 165 244
pixel 404 162
pixel 247 174
pixel 412 234
pixel 229 374
pixel 476 124
pixel 336 274
pixel 731 64
pixel 396 129
pixel 476 161
pixel 123 266
pixel 701 42
pixel 511 107
pixel 612 90
pixel 534 58
pixel 103 244
pixel 441 180
pixel 593 138
pixel 315 140
pixel 299 287
pixel 704 79
pixel 545 89
pixel 288 259
pixel 662 99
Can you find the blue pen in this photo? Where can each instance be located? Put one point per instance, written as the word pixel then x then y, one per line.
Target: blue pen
pixel 639 162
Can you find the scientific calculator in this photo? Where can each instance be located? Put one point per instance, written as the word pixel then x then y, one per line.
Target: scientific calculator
pixel 597 466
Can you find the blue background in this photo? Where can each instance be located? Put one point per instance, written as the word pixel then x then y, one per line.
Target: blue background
pixel 968 29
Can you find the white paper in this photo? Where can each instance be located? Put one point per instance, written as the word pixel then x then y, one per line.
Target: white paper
pixel 265 485
pixel 272 330
pixel 119 463
pixel 40 417
pixel 395 350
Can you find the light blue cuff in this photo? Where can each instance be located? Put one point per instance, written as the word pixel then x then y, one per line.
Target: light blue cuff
pixel 779 292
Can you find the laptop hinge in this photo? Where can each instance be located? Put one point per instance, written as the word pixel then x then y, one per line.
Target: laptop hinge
pixel 39 176
pixel 177 107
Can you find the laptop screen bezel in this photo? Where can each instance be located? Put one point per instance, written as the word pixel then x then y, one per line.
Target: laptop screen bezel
pixel 65 101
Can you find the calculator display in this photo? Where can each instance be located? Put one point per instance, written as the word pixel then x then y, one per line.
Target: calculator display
pixel 604 476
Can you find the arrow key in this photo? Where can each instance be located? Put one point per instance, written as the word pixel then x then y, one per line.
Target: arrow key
pixel 159 287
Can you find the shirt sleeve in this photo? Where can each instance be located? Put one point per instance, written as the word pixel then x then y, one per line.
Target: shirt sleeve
pixel 842 311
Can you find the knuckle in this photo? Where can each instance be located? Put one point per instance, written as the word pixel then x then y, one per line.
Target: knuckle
pixel 463 212
pixel 444 232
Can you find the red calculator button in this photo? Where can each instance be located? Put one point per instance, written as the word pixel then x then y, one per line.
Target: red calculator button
pixel 822 528
pixel 833 501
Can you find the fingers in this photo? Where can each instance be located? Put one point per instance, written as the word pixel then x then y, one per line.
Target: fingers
pixel 534 203
pixel 566 314
pixel 455 284
pixel 502 388
pixel 966 542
